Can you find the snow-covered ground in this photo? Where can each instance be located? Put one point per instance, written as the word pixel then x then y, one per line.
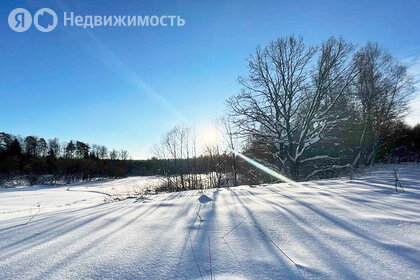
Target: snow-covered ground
pixel 24 201
pixel 331 229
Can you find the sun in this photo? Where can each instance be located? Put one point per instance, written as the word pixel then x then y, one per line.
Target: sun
pixel 210 136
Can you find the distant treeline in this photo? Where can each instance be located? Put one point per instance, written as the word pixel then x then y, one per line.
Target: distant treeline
pixel 74 160
pixel 33 157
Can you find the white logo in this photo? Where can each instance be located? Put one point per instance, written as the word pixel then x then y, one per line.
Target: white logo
pixel 45 20
pixel 20 20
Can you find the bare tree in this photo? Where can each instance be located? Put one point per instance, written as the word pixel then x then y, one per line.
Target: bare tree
pixel 173 149
pixel 54 145
pixel 212 149
pixel 102 152
pixel 185 167
pixel 231 139
pixel 113 155
pixel 124 155
pixel 287 99
pixel 382 89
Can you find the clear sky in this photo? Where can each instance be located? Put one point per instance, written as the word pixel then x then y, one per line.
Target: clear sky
pixel 124 86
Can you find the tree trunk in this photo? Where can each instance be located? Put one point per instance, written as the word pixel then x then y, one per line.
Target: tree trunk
pixel 294 170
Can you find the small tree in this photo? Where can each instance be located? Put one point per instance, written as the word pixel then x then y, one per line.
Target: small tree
pixel 123 155
pixel 397 180
pixel 54 144
pixel 113 155
pixel 231 139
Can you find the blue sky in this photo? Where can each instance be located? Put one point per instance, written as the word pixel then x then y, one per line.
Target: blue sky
pixel 124 86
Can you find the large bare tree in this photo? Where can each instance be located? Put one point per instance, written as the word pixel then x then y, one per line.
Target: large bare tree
pixel 287 99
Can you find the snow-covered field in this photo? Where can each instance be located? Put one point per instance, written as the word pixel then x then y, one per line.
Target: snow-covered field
pixel 332 229
pixel 24 201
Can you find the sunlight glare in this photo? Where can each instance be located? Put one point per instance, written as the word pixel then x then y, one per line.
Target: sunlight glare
pixel 210 136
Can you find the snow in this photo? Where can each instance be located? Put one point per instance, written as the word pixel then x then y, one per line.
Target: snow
pixel 317 158
pixel 25 200
pixel 329 229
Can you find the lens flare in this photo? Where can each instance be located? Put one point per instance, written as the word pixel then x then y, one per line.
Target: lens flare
pixel 263 168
